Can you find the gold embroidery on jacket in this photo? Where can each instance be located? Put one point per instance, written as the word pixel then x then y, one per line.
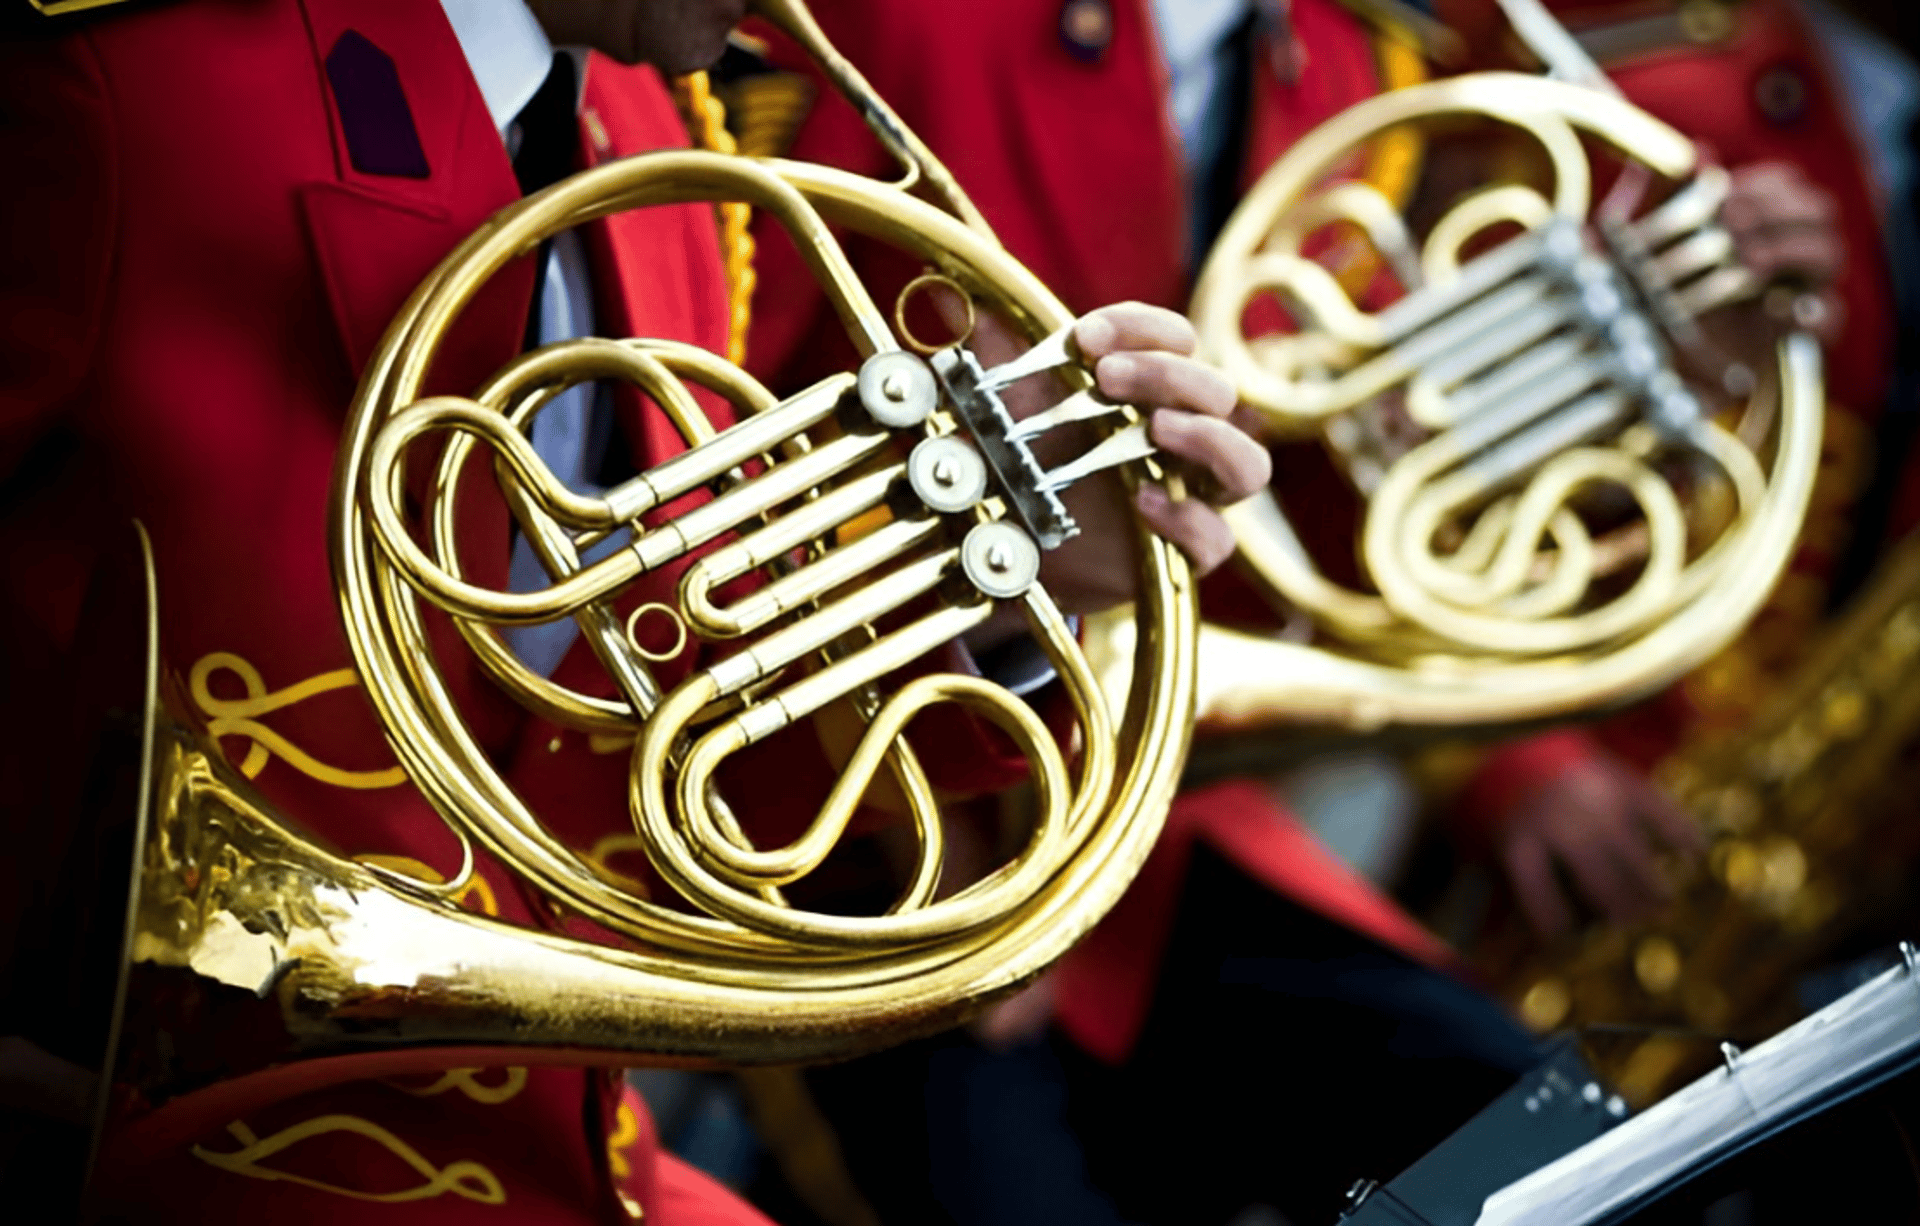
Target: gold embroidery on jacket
pixel 467 1081
pixel 463 1178
pixel 626 1131
pixel 608 846
pixel 238 717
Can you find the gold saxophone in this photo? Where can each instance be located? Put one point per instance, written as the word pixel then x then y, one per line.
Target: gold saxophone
pixel 1521 387
pixel 884 513
pixel 1809 822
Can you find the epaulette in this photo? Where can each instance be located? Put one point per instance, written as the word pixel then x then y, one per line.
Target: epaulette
pixel 765 105
pixel 62 8
pixel 54 16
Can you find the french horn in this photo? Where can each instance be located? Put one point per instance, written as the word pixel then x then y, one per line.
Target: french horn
pixel 1572 492
pixel 845 532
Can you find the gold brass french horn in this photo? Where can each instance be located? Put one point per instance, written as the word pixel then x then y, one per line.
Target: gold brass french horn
pixel 1572 495
pixel 881 514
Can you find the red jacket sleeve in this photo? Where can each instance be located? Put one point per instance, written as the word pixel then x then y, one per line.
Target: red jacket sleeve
pixel 57 215
pixel 683 1196
pixel 1508 774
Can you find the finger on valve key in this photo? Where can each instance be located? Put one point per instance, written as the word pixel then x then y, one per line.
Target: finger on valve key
pixel 1133 326
pixel 1234 466
pixel 1192 525
pixel 1150 377
pixel 1784 225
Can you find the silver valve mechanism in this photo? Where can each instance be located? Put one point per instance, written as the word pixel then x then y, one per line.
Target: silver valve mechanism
pixel 900 391
pixel 1007 444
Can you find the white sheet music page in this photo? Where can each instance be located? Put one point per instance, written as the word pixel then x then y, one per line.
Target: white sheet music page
pixel 1869 1028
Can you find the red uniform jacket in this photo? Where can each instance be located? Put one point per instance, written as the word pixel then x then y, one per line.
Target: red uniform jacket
pixel 1764 92
pixel 1071 154
pixel 205 238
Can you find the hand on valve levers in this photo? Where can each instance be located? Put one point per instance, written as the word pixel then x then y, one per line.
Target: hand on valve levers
pixel 1596 821
pixel 1142 355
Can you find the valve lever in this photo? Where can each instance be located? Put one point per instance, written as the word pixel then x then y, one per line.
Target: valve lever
pixel 1119 448
pixel 1081 406
pixel 1054 351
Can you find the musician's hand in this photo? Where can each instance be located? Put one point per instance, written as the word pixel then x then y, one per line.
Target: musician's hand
pixel 1786 229
pixel 1783 224
pixel 1609 829
pixel 1143 355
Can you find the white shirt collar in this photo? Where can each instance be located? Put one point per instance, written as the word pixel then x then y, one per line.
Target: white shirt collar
pixel 508 52
pixel 1191 34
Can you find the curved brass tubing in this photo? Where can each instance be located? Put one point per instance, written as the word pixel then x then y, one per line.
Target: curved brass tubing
pixel 819 562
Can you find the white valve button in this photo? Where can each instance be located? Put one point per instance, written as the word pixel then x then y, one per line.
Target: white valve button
pixel 1000 559
pixel 897 389
pixel 946 474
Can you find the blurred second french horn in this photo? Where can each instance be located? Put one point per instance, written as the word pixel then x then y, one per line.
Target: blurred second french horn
pixel 1572 489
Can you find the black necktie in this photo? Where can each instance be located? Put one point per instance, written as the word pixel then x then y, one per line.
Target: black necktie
pixel 549 135
pixel 1224 131
pixel 549 130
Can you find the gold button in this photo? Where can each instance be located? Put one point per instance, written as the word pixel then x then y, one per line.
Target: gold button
pixel 1545 1005
pixel 1656 964
pixel 1706 21
pixel 1086 28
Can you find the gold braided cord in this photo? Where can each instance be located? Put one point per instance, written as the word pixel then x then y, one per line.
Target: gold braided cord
pixel 706 118
pixel 236 717
pixel 1393 160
